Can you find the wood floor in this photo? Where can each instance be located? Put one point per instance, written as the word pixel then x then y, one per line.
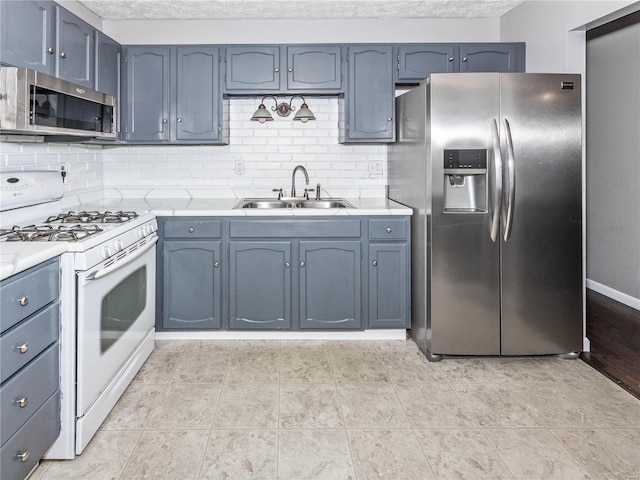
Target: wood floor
pixel 614 332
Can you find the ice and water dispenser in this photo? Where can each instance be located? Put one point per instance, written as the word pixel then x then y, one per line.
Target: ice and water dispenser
pixel 465 181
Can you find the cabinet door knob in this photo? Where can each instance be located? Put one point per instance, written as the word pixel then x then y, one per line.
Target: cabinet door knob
pixel 389 119
pixel 290 69
pixel 24 348
pixel 216 264
pixel 179 120
pixel 23 402
pixel 302 264
pixel 191 229
pixel 374 263
pixel 63 55
pixel 24 456
pixel 451 59
pixel 23 301
pixel 464 59
pixel 389 230
pixel 51 50
pixel 276 70
pixel 287 264
pixel 164 120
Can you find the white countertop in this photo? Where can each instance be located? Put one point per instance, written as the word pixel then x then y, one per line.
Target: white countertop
pixel 223 207
pixel 16 257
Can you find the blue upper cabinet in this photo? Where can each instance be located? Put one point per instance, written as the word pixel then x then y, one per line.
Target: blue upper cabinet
pixel 283 69
pixel 107 64
pixel 367 110
pixel 314 68
pixel 492 57
pixel 252 68
pixel 27 34
pixel 416 62
pixel 75 49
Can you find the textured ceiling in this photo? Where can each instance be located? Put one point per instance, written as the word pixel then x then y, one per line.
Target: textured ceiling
pixel 312 9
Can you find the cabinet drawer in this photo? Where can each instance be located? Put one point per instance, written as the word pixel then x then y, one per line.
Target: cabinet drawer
pixel 35 437
pixel 192 228
pixel 294 228
pixel 33 335
pixel 27 292
pixel 34 384
pixel 391 229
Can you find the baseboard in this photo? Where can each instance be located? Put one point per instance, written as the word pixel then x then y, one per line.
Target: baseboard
pixel 373 334
pixel 614 294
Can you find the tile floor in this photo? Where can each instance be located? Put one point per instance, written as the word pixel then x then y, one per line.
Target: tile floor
pixel 359 410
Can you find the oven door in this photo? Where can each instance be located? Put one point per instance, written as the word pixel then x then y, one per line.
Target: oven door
pixel 116 311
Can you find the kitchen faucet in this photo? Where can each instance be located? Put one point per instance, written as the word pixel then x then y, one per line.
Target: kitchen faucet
pixel 293 181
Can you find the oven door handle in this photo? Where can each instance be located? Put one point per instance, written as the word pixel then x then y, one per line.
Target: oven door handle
pixel 106 271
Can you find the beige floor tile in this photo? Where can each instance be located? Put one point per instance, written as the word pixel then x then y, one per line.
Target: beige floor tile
pixel 351 367
pixel 556 405
pixel 218 347
pixel 133 410
pixel 167 455
pixel 251 365
pixel 571 371
pixel 492 405
pixel 103 459
pixel 606 453
pixel 632 434
pixel 534 454
pixel 319 454
pixel 185 407
pixel 409 366
pixel 618 407
pixel 467 370
pixel 371 405
pixel 302 364
pixel 433 405
pixel 247 406
pixel 388 454
pixel 201 367
pixel 310 406
pixel 461 454
pixel 171 345
pixel 240 454
pixel 159 367
pixel 524 369
pixel 350 346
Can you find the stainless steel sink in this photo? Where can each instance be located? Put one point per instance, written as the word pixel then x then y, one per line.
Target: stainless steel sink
pixel 292 203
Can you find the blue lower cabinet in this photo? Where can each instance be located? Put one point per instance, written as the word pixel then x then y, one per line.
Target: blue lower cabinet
pixel 389 292
pixel 260 285
pixel 330 284
pixel 192 284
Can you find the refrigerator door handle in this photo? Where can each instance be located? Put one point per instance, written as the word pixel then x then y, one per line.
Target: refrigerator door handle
pixel 511 182
pixel 497 181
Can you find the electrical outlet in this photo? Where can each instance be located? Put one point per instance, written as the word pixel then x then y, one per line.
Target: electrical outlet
pixel 375 167
pixel 239 167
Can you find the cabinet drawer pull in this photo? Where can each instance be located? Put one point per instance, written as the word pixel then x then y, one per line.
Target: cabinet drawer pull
pixel 24 456
pixel 374 263
pixel 23 402
pixel 389 230
pixel 216 264
pixel 302 264
pixel 24 348
pixel 23 301
pixel 191 229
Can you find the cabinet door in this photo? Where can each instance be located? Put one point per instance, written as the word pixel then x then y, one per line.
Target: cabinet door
pixel 147 94
pixel 197 112
pixel 330 284
pixel 260 285
pixel 252 68
pixel 489 57
pixel 314 68
pixel 417 62
pixel 191 284
pixel 369 98
pixel 389 290
pixel 26 34
pixel 107 65
pixel 75 50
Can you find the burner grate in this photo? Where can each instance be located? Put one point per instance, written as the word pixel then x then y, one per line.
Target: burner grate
pixel 92 217
pixel 49 233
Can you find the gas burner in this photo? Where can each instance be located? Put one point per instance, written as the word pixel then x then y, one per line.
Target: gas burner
pixel 93 217
pixel 49 233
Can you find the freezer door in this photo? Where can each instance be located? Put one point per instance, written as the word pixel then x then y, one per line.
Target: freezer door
pixel 464 314
pixel 541 258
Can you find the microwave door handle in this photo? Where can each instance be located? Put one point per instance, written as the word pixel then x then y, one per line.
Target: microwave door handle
pixel 511 183
pixel 116 266
pixel 497 181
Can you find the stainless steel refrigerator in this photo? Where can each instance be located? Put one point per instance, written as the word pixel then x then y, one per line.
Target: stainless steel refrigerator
pixel 491 165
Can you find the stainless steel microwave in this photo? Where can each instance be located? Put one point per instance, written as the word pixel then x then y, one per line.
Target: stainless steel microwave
pixel 37 104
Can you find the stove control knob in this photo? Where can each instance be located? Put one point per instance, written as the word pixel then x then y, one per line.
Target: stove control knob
pixel 119 245
pixel 106 252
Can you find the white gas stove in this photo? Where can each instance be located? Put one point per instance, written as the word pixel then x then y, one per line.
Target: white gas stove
pixel 107 298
